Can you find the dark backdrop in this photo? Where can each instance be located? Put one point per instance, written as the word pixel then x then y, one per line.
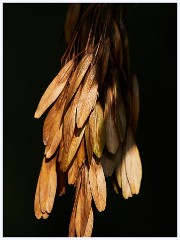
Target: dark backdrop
pixel 33 45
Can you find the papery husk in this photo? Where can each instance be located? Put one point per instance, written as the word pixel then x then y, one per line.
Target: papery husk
pixel 88 105
pixel 78 75
pixel 84 203
pixel 112 141
pixel 72 228
pixel 108 163
pixel 73 171
pixel 47 184
pixel 98 185
pixel 89 226
pixel 54 89
pixel 97 127
pixel 70 120
pixel 66 160
pixel 133 163
pixel 89 142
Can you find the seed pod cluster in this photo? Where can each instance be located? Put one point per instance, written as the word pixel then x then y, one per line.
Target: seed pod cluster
pixel 93 108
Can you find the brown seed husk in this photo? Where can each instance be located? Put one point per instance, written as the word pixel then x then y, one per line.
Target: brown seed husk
pixel 54 89
pixel 66 160
pixel 126 189
pixel 81 154
pixel 112 141
pixel 98 129
pixel 89 226
pixel 133 163
pixel 84 204
pixel 108 163
pixel 78 75
pixel 98 185
pixel 89 142
pixel 54 144
pixel 47 184
pixel 70 120
pixel 73 214
pixel 118 165
pixel 73 171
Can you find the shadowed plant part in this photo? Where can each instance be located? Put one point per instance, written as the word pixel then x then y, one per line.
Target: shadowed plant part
pixel 92 110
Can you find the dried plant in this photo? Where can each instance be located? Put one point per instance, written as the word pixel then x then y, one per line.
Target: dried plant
pixel 89 131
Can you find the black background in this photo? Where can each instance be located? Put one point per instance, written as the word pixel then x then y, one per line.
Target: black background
pixel 33 44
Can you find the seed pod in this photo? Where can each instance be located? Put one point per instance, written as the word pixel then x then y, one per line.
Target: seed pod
pixel 47 184
pixel 70 120
pixel 97 127
pixel 98 185
pixel 65 162
pixel 78 75
pixel 73 214
pixel 133 163
pixel 54 89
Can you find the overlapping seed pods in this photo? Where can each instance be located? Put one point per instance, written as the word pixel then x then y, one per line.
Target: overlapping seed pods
pixel 92 110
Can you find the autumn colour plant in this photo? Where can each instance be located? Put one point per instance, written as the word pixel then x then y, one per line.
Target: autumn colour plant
pixel 93 108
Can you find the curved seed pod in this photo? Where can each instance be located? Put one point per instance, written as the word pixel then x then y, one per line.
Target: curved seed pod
pixel 48 123
pixel 53 119
pixel 112 141
pixel 97 126
pixel 81 155
pixel 108 163
pixel 84 204
pixel 87 84
pixel 66 160
pixel 98 185
pixel 54 89
pixel 86 107
pixel 71 20
pixel 126 189
pixel 135 101
pixel 47 184
pixel 89 142
pixel 54 144
pixel 70 120
pixel 55 132
pixel 78 75
pixel 118 165
pixel 73 171
pixel 133 163
pixel 73 214
pixel 89 226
